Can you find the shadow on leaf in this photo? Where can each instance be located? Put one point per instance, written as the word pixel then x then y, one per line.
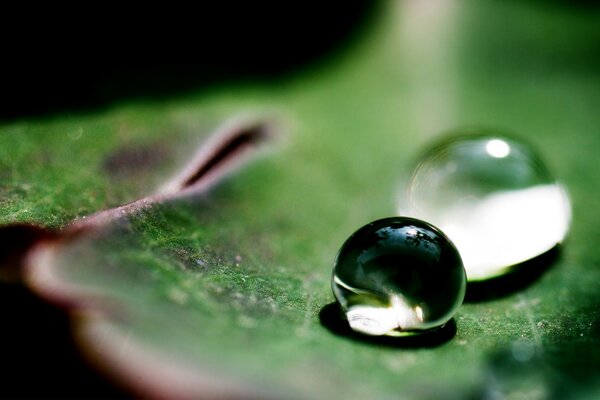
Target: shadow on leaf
pixel 519 278
pixel 332 318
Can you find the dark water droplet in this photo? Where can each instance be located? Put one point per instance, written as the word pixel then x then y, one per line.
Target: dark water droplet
pixel 398 276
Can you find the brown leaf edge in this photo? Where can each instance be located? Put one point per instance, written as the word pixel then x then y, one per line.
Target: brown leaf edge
pixel 136 367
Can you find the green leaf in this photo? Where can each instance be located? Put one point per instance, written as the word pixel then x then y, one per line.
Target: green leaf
pixel 227 292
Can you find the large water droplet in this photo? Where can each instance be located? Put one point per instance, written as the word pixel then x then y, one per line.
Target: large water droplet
pixel 398 276
pixel 495 199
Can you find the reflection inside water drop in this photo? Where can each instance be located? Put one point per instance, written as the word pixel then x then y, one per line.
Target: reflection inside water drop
pixel 495 199
pixel 398 277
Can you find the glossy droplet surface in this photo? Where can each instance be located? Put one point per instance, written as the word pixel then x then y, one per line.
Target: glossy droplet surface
pixel 398 276
pixel 493 196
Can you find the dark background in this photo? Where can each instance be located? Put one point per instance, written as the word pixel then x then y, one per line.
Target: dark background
pixel 64 60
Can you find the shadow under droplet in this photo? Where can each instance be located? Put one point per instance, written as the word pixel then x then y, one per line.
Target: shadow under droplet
pixel 332 318
pixel 518 278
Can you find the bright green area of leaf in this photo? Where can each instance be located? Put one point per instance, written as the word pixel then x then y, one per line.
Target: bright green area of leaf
pixel 235 281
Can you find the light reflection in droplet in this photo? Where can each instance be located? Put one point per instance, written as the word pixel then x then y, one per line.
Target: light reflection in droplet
pixel 505 220
pixel 497 148
pixel 373 320
pixel 411 232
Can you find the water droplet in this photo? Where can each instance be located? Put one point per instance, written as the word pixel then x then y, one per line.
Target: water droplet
pixel 495 199
pixel 398 276
pixel 523 350
pixel 517 372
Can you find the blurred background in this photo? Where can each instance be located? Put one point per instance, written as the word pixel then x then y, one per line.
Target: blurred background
pixel 60 59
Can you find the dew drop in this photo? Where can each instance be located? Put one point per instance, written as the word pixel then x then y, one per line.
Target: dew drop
pixel 523 350
pixel 493 196
pixel 398 276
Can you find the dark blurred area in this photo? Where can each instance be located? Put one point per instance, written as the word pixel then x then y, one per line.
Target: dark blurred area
pixel 40 359
pixel 76 58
